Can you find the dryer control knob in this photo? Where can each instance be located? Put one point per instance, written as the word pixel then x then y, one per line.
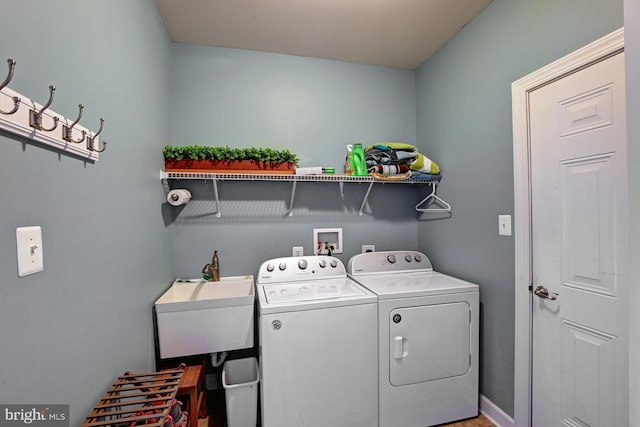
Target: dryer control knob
pixel 282 266
pixel 408 258
pixel 322 263
pixel 302 264
pixel 333 263
pixel 391 258
pixel 270 267
pixel 418 258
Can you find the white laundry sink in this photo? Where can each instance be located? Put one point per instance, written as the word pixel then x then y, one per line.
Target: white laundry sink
pixel 200 317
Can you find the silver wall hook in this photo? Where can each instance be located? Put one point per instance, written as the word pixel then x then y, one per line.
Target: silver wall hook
pixel 91 140
pixel 16 100
pixel 35 117
pixel 67 131
pixel 12 67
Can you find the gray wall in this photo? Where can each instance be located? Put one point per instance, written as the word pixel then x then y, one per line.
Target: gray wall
pixel 68 331
pixel 632 61
pixel 313 107
pixel 464 123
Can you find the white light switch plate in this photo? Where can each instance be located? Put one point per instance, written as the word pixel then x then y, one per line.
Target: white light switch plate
pixel 29 245
pixel 504 225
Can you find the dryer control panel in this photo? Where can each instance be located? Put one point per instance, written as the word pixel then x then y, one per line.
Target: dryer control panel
pixel 389 261
pixel 289 269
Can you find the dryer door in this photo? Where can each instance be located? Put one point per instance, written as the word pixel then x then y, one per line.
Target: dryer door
pixel 429 342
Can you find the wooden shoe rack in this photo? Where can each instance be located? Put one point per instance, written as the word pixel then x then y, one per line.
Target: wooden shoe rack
pixel 137 399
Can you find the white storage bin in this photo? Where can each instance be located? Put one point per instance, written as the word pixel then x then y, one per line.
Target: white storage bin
pixel 240 379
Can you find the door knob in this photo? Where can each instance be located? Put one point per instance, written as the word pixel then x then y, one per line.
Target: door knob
pixel 543 292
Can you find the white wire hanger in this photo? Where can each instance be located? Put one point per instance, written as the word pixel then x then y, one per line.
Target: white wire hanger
pixel 433 200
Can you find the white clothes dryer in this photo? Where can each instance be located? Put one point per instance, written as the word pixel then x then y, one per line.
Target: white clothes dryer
pixel 318 345
pixel 428 339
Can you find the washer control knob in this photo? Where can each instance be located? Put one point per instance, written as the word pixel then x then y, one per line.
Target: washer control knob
pixel 302 264
pixel 408 258
pixel 418 258
pixel 333 263
pixel 322 263
pixel 270 267
pixel 282 266
pixel 391 258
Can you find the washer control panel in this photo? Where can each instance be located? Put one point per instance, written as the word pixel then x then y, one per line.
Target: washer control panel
pixel 289 269
pixel 390 261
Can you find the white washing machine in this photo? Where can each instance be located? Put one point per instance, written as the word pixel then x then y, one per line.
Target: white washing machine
pixel 318 345
pixel 428 335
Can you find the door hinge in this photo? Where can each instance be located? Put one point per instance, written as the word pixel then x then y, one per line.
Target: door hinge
pixel 530 288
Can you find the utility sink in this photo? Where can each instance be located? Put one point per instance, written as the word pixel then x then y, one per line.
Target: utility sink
pixel 198 317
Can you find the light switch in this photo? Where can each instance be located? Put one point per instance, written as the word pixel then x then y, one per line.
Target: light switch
pixel 504 225
pixel 29 245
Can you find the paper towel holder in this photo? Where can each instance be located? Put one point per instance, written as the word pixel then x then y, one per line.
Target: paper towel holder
pixel 178 197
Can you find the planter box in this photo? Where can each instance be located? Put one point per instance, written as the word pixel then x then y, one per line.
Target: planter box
pixel 229 166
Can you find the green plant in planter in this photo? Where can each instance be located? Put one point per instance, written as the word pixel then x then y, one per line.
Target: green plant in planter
pixel 205 152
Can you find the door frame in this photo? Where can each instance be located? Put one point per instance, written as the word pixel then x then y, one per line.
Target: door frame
pixel 600 49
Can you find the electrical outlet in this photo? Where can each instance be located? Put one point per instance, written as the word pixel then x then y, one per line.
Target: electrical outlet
pixel 368 248
pixel 297 251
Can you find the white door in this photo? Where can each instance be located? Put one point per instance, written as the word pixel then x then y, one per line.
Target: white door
pixel 579 250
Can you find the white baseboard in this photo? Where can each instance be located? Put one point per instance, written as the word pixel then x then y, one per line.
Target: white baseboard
pixel 495 414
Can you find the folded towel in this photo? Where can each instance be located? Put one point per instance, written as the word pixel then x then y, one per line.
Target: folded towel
pixel 425 165
pixel 421 176
pixel 399 153
pixel 389 169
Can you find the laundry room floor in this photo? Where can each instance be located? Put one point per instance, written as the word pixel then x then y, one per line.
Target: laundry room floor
pixel 217 414
pixel 479 421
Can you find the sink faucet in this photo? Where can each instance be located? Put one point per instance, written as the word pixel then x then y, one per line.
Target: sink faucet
pixel 212 271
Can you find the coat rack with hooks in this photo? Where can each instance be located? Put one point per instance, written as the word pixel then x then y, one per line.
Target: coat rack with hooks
pixel 28 119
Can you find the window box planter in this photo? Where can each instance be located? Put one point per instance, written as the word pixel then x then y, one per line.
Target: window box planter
pixel 197 158
pixel 228 166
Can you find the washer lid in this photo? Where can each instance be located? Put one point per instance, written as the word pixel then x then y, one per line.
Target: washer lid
pixel 312 291
pixel 414 284
pixel 312 295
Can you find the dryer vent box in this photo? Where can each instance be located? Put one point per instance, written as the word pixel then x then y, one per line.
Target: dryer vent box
pixel 325 238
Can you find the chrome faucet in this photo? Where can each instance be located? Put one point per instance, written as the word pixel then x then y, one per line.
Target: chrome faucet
pixel 212 271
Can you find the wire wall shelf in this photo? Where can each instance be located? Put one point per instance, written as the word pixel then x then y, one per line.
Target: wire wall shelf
pixel 284 177
pixel 294 179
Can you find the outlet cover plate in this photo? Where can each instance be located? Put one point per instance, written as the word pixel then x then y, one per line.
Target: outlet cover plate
pixel 368 248
pixel 29 247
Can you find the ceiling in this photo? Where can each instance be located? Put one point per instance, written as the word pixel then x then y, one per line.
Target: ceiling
pixel 391 33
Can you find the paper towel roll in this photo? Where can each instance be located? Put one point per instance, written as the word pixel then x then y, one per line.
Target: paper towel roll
pixel 178 197
pixel 316 170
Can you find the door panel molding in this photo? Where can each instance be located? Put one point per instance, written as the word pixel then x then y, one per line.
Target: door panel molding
pixel 587 359
pixel 520 90
pixel 587 184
